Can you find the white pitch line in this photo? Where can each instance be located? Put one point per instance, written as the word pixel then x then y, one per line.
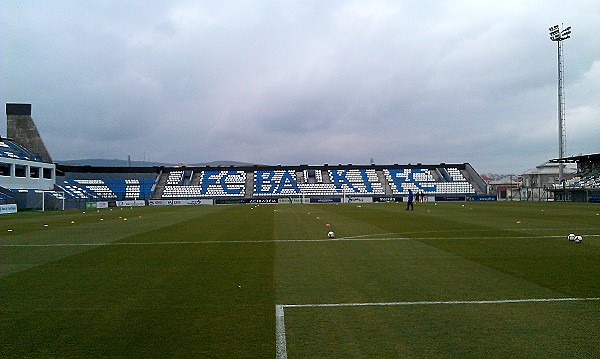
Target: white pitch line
pixel 281 350
pixel 281 346
pixel 437 302
pixel 342 239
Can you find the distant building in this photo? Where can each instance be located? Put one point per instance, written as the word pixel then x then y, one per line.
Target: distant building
pixel 545 175
pixel 24 173
pixel 539 180
pixel 506 188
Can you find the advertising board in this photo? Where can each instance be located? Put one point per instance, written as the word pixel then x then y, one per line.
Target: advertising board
pixel 450 198
pixel 326 200
pixel 485 198
pixel 180 202
pixel 293 200
pixel 90 205
pixel 160 202
pixel 388 199
pixel 8 208
pixel 231 201
pixel 262 200
pixel 360 199
pixel 131 203
pixel 193 202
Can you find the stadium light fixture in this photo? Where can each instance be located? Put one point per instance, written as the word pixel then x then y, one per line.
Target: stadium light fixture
pixel 558 35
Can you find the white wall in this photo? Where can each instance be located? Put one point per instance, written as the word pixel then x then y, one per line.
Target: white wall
pixel 28 182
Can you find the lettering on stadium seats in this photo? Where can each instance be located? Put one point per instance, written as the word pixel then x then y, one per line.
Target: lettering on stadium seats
pixel 266 182
pixel 399 177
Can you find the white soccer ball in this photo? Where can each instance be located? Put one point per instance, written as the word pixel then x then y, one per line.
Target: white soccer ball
pixel 578 239
pixel 331 234
pixel 571 237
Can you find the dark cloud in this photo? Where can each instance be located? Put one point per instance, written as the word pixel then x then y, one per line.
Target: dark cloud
pixel 304 82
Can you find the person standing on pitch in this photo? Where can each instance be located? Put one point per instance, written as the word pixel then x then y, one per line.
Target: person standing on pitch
pixel 410 200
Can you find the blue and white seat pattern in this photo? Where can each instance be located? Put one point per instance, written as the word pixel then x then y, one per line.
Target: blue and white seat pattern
pixel 175 178
pixel 211 184
pixel 337 182
pixel 421 180
pixel 10 149
pixel 107 189
pixel 582 182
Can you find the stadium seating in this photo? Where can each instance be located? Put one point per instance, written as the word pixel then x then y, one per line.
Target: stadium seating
pixel 421 180
pixel 285 183
pixel 275 182
pixel 210 184
pixel 319 176
pixel 175 178
pixel 98 189
pixel 318 182
pixel 10 149
pixel 582 182
pixel 455 174
pixel 356 181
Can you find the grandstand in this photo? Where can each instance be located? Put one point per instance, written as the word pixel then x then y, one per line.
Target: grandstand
pixel 81 184
pixel 585 185
pixel 24 174
pixel 271 183
pixel 268 182
pixel 108 189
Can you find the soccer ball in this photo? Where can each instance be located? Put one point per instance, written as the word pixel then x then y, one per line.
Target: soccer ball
pixel 331 234
pixel 571 237
pixel 578 239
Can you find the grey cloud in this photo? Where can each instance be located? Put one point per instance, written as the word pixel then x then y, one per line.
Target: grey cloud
pixel 303 82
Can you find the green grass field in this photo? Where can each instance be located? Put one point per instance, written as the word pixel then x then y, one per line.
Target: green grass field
pixel 445 280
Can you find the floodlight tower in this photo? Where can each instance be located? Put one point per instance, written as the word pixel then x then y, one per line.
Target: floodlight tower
pixel 559 35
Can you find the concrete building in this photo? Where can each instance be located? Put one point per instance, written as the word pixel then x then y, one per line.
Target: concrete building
pixel 21 129
pixel 25 174
pixel 537 182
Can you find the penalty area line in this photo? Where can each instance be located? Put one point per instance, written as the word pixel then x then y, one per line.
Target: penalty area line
pixel 281 346
pixel 437 302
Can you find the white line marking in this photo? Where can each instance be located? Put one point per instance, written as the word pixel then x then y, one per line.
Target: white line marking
pixel 281 347
pixel 451 302
pixel 342 239
pixel 281 350
pixel 467 231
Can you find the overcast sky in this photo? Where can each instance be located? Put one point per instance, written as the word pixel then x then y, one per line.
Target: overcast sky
pixel 304 82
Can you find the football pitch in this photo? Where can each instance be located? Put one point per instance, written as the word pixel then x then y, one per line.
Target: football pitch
pixel 448 280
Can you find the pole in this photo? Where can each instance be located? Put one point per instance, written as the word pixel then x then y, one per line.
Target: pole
pixel 558 35
pixel 561 116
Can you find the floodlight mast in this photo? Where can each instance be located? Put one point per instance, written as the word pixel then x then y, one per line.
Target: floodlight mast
pixel 559 36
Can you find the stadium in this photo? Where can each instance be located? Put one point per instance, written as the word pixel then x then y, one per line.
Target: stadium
pixel 31 180
pixel 289 261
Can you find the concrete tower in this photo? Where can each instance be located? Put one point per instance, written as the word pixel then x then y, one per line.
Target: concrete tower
pixel 21 129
